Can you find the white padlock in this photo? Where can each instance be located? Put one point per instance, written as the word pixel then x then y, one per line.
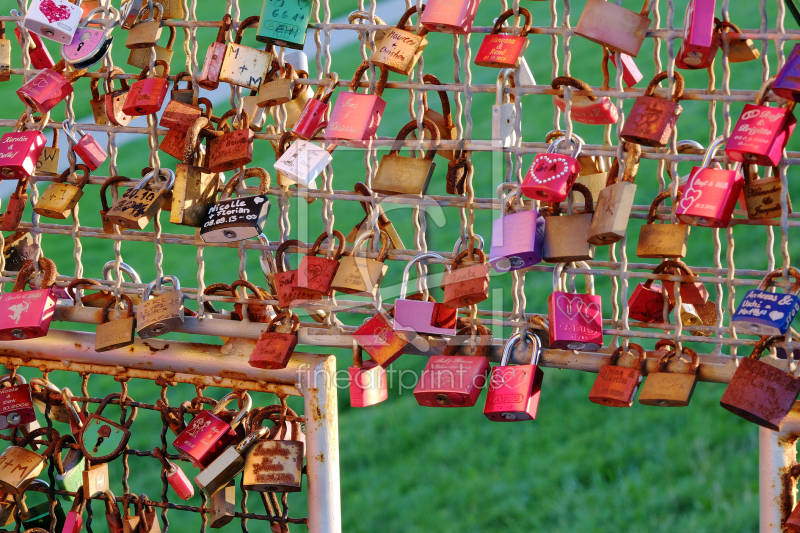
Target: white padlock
pixel 303 162
pixel 504 114
pixel 56 20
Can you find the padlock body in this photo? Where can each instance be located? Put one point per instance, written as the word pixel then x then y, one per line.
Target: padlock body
pixel 761 393
pixel 312 116
pixel 288 292
pixel 447 132
pixel 146 97
pixel 662 240
pixel 273 350
pixel 40 56
pixel 160 315
pixel 664 389
pixel 466 286
pixel 501 51
pixel 19 153
pixel 378 338
pixel 222 506
pixel 367 384
pixel 763 199
pixel 18 467
pixel 193 194
pixel 56 20
pixel 115 334
pixel 355 118
pixel 517 241
pixel 274 93
pixel 419 317
pixel 284 23
pixel 575 321
pixel 550 177
pixel 293 109
pixel 699 44
pixel 303 162
pixel 646 304
pixel 180 483
pixel 399 51
pixel 709 197
pixel 244 66
pixel 204 439
pixel 209 75
pixel 144 34
pixel 88 46
pixel 449 16
pixel 565 238
pixel 47 164
pixel 765 313
pixel 135 208
pixel 316 274
pixel 451 381
pixel 95 480
pixel 140 58
pixel 220 472
pixel 787 84
pixel 504 123
pixel 274 466
pixel 90 152
pixel 760 135
pixel 615 386
pixel 58 200
pixel 72 478
pixel 618 28
pixel 631 75
pixel 231 150
pixel 359 275
pixel 26 314
pixel 173 144
pixel 651 121
pixel 599 112
pixel 16 406
pixel 611 214
pixel 691 293
pixel 5 60
pixel 513 393
pixel 45 90
pixel 179 116
pixel 408 176
pixel 73 523
pixel 236 219
pixel 792 523
pixel 40 516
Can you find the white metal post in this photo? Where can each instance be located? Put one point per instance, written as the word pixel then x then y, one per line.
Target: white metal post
pixel 777 453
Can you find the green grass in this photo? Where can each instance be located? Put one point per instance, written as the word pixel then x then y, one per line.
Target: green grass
pixel 578 467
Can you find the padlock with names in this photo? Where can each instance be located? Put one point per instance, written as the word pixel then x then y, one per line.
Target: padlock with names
pixel 274 349
pixel 61 197
pixel 237 219
pixel 245 66
pixel 147 94
pixel 20 149
pixel 399 50
pixel 163 313
pixel 616 385
pixel 762 197
pixel 765 313
pixel 504 50
pixel 551 175
pixel 407 176
pixel 48 87
pixel 355 117
pixel 138 205
pixel 284 23
pixel 16 403
pixel 28 313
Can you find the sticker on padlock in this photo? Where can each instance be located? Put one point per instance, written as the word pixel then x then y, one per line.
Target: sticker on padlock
pixel 575 320
pixel 233 220
pixel 514 390
pixel 503 50
pixel 403 175
pixel 551 175
pixel 103 440
pixel 616 385
pixel 613 26
pixel 652 120
pixel 20 149
pixel 589 109
pixel 27 314
pixel 699 45
pixel 61 197
pixel 421 317
pixel 765 313
pixel 87 147
pixel 57 20
pixel 163 313
pixel 450 16
pixel 90 45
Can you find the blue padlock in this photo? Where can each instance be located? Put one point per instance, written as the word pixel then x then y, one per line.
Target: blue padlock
pixel 765 313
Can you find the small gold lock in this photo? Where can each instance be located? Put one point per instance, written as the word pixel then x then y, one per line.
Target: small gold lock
pixel 145 33
pixel 614 205
pixel 116 333
pixel 362 275
pixel 762 197
pixel 47 164
pixel 300 96
pixel 278 86
pixel 565 236
pixel 407 175
pixel 98 102
pixel 363 37
pixel 61 197
pixel 739 50
pixel 138 206
pixel 162 314
pixel 173 9
pixel 140 57
pixel 195 187
pixel 400 50
pixel 222 506
pixel 662 240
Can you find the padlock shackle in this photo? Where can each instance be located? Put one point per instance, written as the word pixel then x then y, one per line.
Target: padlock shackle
pixel 42 119
pixel 631 346
pixel 763 92
pixel 383 254
pixel 526 28
pixel 104 318
pixel 113 180
pixel 536 349
pixel 59 463
pixel 228 398
pixel 150 175
pixel 79 504
pixel 411 126
pixel 430 79
pixel 325 90
pixel 82 182
pixel 631 165
pixel 19 379
pixel 244 121
pixel 50 274
pixel 362 68
pixel 711 151
pixel 559 276
pixel 575 83
pixel 72 407
pixel 282 249
pixel 505 76
pixel 280 317
pixel 555 134
pixel 67 125
pixel 159 62
pixel 426 255
pixel 459 244
pixel 251 438
pixel 112 508
pixel 677 93
pixel 662 363
pixel 553 149
pixel 246 23
pixel 646 8
pixel 364 15
pixel 125 268
pixel 651 215
pixel 764 343
pixel 114 19
pixel 483 337
pixel 52 437
pixel 410 12
pixel 223 288
pixel 461 256
pixel 260 294
pixel 322 238
pixel 225 26
pixel 236 180
pixel 778 273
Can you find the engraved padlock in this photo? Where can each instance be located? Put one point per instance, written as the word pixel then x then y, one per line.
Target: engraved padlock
pixel 16 402
pixel 102 440
pixel 245 66
pixel 237 219
pixel 147 94
pixel 316 273
pixel 86 147
pixel 303 161
pixel 503 50
pixel 284 23
pixel 615 201
pixel 699 45
pixel 274 464
pixel 47 164
pixel 61 197
pixel 613 26
pixel 284 279
pixel 694 293
pixel 56 20
pixel 146 31
pixel 646 303
pixel 762 197
pixel 652 120
pixel 377 337
pixel 212 65
pixel 589 109
pixel 115 100
pixel 90 45
pixel 20 466
pixel 138 205
pixel 27 314
pixel 119 332
pixel 233 149
pixel 163 313
pixel 450 16
pixel 517 238
pixel 662 240
pixel 575 320
pixel 408 176
pixel 514 390
pixel 228 465
pixel 278 87
pixel 467 283
pixel 551 175
pixel 274 349
pixel 20 149
pixel 355 117
pixel 399 50
pixel 421 317
pixel 671 389
pixel 765 313
pixel 616 385
pixel 49 87
pixel 362 275
pixel 565 236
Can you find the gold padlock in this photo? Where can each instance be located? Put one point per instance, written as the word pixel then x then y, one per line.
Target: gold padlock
pixel 708 317
pixel 145 33
pixel 47 164
pixel 363 35
pixel 662 240
pixel 668 389
pixel 616 201
pixel 400 50
pixel 565 236
pixel 243 65
pixel 173 9
pixel 384 223
pixel 362 275
pixel 61 197
pixel 195 187
pixel 98 102
pixel 407 175
pixel 689 316
pixel 300 96
pixel 162 314
pixel 108 226
pixel 443 120
pixel 278 86
pixel 739 50
pixel 140 57
pixel 222 506
pixel 116 333
pixel 762 197
pixel 138 206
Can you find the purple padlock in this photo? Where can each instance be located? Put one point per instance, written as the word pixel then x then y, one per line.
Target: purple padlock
pixel 787 84
pixel 427 318
pixel 517 240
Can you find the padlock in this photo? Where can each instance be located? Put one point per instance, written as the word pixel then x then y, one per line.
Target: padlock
pixel 108 226
pixel 37 517
pixel 76 416
pixel 73 522
pixel 274 465
pixel 148 520
pixel 115 100
pixel 739 49
pixel 69 470
pixel 116 333
pixel 284 23
pixel 140 57
pixel 593 171
pixel 175 476
pixel 762 197
pixel 450 16
pixel 233 220
pixel 278 87
pixel 113 516
pixel 613 26
pixel 40 56
pixel 103 440
pixel 145 32
pixel 504 50
pixel 163 313
pixel 286 425
pixel 5 54
pixel 377 337
pixel 383 221
pixel 207 435
pixel 652 120
pixel 316 109
pixel 291 110
pixel 19 466
pixel 759 392
pixel 245 66
pixel 787 82
pixel 195 187
pixel 186 95
pixel 48 87
pixel 363 17
pixel 222 506
pixel 466 285
pixel 355 117
pixel 61 197
pixel 615 202
pixel 284 279
pixel 669 389
pixel 16 402
pixel 8 507
pixel 362 275
pixel 273 349
pixel 138 205
pixel 765 313
pixel 616 385
pixel 513 392
pixel 631 75
pixel 408 176
pixel 575 320
pixel 15 208
pixel 699 44
pixel 421 317
pixel 399 50
pixel 565 235
pixel 212 65
pixel 234 149
pixel 689 316
pixel 761 133
pixel 589 109
pixel 147 94
pixel 86 147
pixel 303 161
pixel 19 248
pixel 90 45
pixel 457 171
pixel 662 240
pixel 56 20
pixel 20 150
pixel 130 523
pixel 316 274
pixel 452 380
pixel 28 313
pixel 551 175
pixel 517 239
pixel 694 293
pixel 646 304
pixel 255 312
pixel 97 102
pixel 228 464
pixel 181 116
pixel 444 120
pixel 504 114
pixel 718 188
pixel 47 164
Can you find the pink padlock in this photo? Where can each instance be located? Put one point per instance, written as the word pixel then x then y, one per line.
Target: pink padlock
pixel 575 320
pixel 513 394
pixel 27 314
pixel 87 147
pixel 73 523
pixel 450 16
pixel 49 87
pixel 40 56
pixel 147 94
pixel 355 117
pixel 551 175
pixel 20 149
pixel 312 118
pixel 416 316
pixel 585 109
pixel 710 194
pixel 16 402
pixel 631 75
pixel 761 133
pixel 700 43
pixel 367 381
pixel 175 476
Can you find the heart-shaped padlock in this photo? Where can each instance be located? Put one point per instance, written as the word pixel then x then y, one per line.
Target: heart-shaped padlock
pixel 552 175
pixel 90 45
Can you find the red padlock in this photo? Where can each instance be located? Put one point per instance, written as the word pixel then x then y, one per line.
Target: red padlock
pixel 616 386
pixel 646 304
pixel 552 175
pixel 312 118
pixel 504 50
pixel 761 133
pixel 20 149
pixel 691 293
pixel 700 43
pixel 16 402
pixel 377 337
pixel 575 320
pixel 355 117
pixel 588 109
pixel 207 435
pixel 367 381
pixel 40 56
pixel 233 149
pixel 513 394
pixel 315 274
pixel 273 350
pixel 209 76
pixel 450 16
pixel 451 380
pixel 87 148
pixel 631 75
pixel 15 207
pixel 466 285
pixel 147 94
pixel 652 120
pixel 284 279
pixel 181 116
pixel 27 314
pixel 49 87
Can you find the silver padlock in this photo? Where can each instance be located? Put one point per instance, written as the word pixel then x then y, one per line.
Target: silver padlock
pixel 162 314
pixel 222 506
pixel 227 466
pixel 504 114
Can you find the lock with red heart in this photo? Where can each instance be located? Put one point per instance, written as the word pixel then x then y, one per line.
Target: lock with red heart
pixel 377 337
pixel 551 176
pixel 514 390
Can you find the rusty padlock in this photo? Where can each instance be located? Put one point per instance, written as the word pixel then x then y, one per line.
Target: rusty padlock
pixel 514 390
pixel 669 389
pixel 662 240
pixel 20 149
pixel 147 94
pixel 377 337
pixel 273 349
pixel 694 293
pixel 97 102
pixel 362 275
pixel 284 280
pixel 399 50
pixel 138 205
pixel 443 121
pixel 19 466
pixel 234 149
pixel 615 201
pixel 504 50
pixel 316 274
pixel 255 312
pixel 646 304
pixel 652 119
pixel 27 314
pixel 589 109
pixel 575 320
pixel 613 26
pixel 181 116
pixel 195 187
pixel 565 236
pixel 404 175
pixel 212 65
pixel 15 208
pixel 183 95
pixel 367 381
pixel 61 197
pixel 49 87
pixel 616 386
pixel 355 117
pixel 466 285
pixel 243 65
pixel 762 197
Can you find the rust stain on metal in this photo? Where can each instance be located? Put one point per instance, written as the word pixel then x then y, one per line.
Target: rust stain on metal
pixel 316 413
pixel 789 477
pixel 320 458
pixel 78 345
pixel 234 375
pixel 154 349
pixel 789 439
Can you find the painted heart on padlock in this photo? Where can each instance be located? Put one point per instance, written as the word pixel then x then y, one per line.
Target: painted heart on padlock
pixel 776 315
pixel 313 272
pixel 654 308
pixel 589 312
pixel 509 377
pixel 548 168
pixel 54 12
